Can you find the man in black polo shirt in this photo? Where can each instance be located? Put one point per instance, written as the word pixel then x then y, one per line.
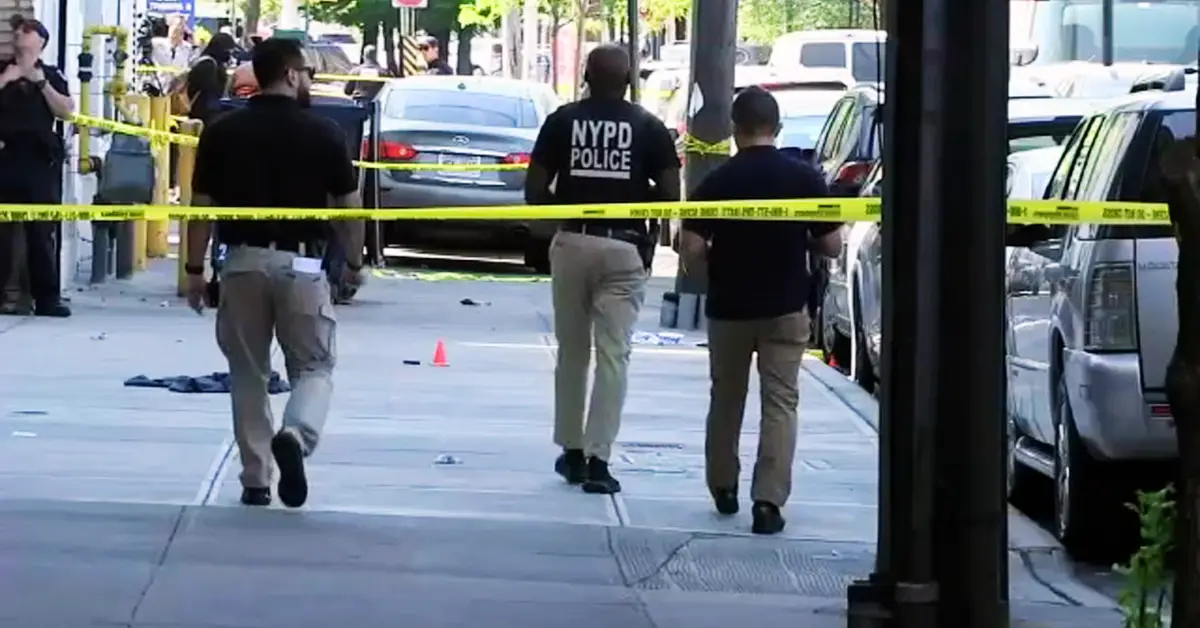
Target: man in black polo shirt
pixel 757 296
pixel 601 149
pixel 275 153
pixel 32 95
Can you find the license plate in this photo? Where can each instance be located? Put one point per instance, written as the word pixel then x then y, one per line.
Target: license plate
pixel 458 160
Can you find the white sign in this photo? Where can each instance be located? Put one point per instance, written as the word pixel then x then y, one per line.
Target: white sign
pixel 601 149
pixel 410 4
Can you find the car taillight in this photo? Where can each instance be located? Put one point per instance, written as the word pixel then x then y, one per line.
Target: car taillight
pixel 1109 315
pixel 853 173
pixel 396 151
pixel 516 158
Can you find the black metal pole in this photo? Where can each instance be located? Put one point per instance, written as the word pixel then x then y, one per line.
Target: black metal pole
pixel 905 503
pixel 632 17
pixel 1106 32
pixel 968 137
pixel 714 47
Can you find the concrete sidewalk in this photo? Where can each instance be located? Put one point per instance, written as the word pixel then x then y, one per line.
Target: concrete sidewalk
pixel 433 503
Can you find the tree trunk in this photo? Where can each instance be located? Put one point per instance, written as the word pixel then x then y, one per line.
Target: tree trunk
pixel 370 37
pixel 464 50
pixel 253 15
pixel 581 7
pixel 1182 170
pixel 555 24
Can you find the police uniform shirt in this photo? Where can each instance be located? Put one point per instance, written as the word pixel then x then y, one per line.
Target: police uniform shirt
pixel 757 269
pixel 604 151
pixel 26 120
pixel 273 153
pixel 440 68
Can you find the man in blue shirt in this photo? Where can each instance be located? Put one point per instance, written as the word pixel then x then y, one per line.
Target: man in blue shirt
pixel 757 303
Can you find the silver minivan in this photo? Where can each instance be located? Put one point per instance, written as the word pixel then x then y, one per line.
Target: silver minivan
pixel 1091 323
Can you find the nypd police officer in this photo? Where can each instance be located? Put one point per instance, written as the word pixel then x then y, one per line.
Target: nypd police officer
pixel 275 153
pixel 32 95
pixel 601 149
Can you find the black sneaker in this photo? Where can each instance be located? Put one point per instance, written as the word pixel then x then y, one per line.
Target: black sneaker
pixel 726 500
pixel 599 480
pixel 52 309
pixel 767 518
pixel 289 457
pixel 572 466
pixel 256 496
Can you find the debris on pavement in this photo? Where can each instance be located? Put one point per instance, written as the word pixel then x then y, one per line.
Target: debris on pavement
pixel 447 459
pixel 473 302
pixel 656 339
pixel 212 383
pixel 412 363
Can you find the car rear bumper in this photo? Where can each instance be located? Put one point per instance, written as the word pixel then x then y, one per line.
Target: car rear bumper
pixel 1112 411
pixel 396 195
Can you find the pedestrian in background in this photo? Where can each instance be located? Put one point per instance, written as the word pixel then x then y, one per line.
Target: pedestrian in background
pixel 32 96
pixel 434 63
pixel 758 288
pixel 602 149
pixel 270 289
pixel 366 91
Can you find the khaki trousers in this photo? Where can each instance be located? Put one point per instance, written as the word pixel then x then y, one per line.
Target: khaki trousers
pixel 262 298
pixel 780 344
pixel 598 286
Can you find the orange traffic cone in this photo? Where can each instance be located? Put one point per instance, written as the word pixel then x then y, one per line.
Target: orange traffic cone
pixel 439 355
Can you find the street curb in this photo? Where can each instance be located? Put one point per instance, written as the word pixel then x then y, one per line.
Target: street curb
pixel 1047 564
pixel 849 393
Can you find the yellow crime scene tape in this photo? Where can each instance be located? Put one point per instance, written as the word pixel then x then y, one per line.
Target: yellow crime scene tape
pixel 808 210
pixel 154 69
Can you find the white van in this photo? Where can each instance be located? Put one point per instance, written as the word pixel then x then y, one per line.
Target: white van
pixel 858 53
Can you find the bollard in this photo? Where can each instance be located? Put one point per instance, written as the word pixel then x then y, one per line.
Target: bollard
pixel 157 245
pixel 127 250
pixel 187 165
pixel 141 104
pixel 102 251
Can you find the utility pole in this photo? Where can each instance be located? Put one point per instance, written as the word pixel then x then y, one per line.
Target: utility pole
pixel 289 15
pixel 632 17
pixel 942 462
pixel 529 40
pixel 710 101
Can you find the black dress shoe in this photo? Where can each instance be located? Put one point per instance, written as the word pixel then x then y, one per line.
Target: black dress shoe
pixel 52 309
pixel 256 496
pixel 599 480
pixel 289 457
pixel 572 466
pixel 726 501
pixel 767 518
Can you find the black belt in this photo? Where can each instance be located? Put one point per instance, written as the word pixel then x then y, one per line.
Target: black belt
pixel 292 246
pixel 632 236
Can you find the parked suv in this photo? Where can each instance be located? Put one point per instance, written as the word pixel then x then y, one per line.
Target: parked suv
pixel 1090 336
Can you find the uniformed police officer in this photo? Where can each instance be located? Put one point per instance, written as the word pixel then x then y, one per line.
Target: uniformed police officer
pixel 31 97
pixel 757 303
pixel 274 153
pixel 601 149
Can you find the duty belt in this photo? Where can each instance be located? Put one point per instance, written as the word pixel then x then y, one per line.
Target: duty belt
pixel 632 236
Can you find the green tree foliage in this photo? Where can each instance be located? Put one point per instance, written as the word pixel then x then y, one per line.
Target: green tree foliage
pixel 763 20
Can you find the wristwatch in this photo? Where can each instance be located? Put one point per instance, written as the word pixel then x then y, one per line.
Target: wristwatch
pixel 194 270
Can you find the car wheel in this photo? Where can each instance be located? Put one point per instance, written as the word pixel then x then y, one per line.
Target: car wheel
pixel 1019 480
pixel 864 372
pixel 1079 502
pixel 537 256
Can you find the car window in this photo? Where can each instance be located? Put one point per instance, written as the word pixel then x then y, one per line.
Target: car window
pixel 1086 142
pixel 1058 182
pixel 1176 126
pixel 1110 152
pixel 867 61
pixel 847 137
pixel 1028 136
pixel 837 119
pixel 823 55
pixel 461 107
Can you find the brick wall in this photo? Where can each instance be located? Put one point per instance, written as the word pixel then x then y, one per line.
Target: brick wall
pixel 8 8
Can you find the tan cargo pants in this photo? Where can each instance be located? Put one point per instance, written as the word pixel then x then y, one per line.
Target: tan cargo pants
pixel 263 297
pixel 780 344
pixel 598 285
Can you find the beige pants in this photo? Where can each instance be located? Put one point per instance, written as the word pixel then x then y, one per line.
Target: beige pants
pixel 262 298
pixel 598 284
pixel 780 344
